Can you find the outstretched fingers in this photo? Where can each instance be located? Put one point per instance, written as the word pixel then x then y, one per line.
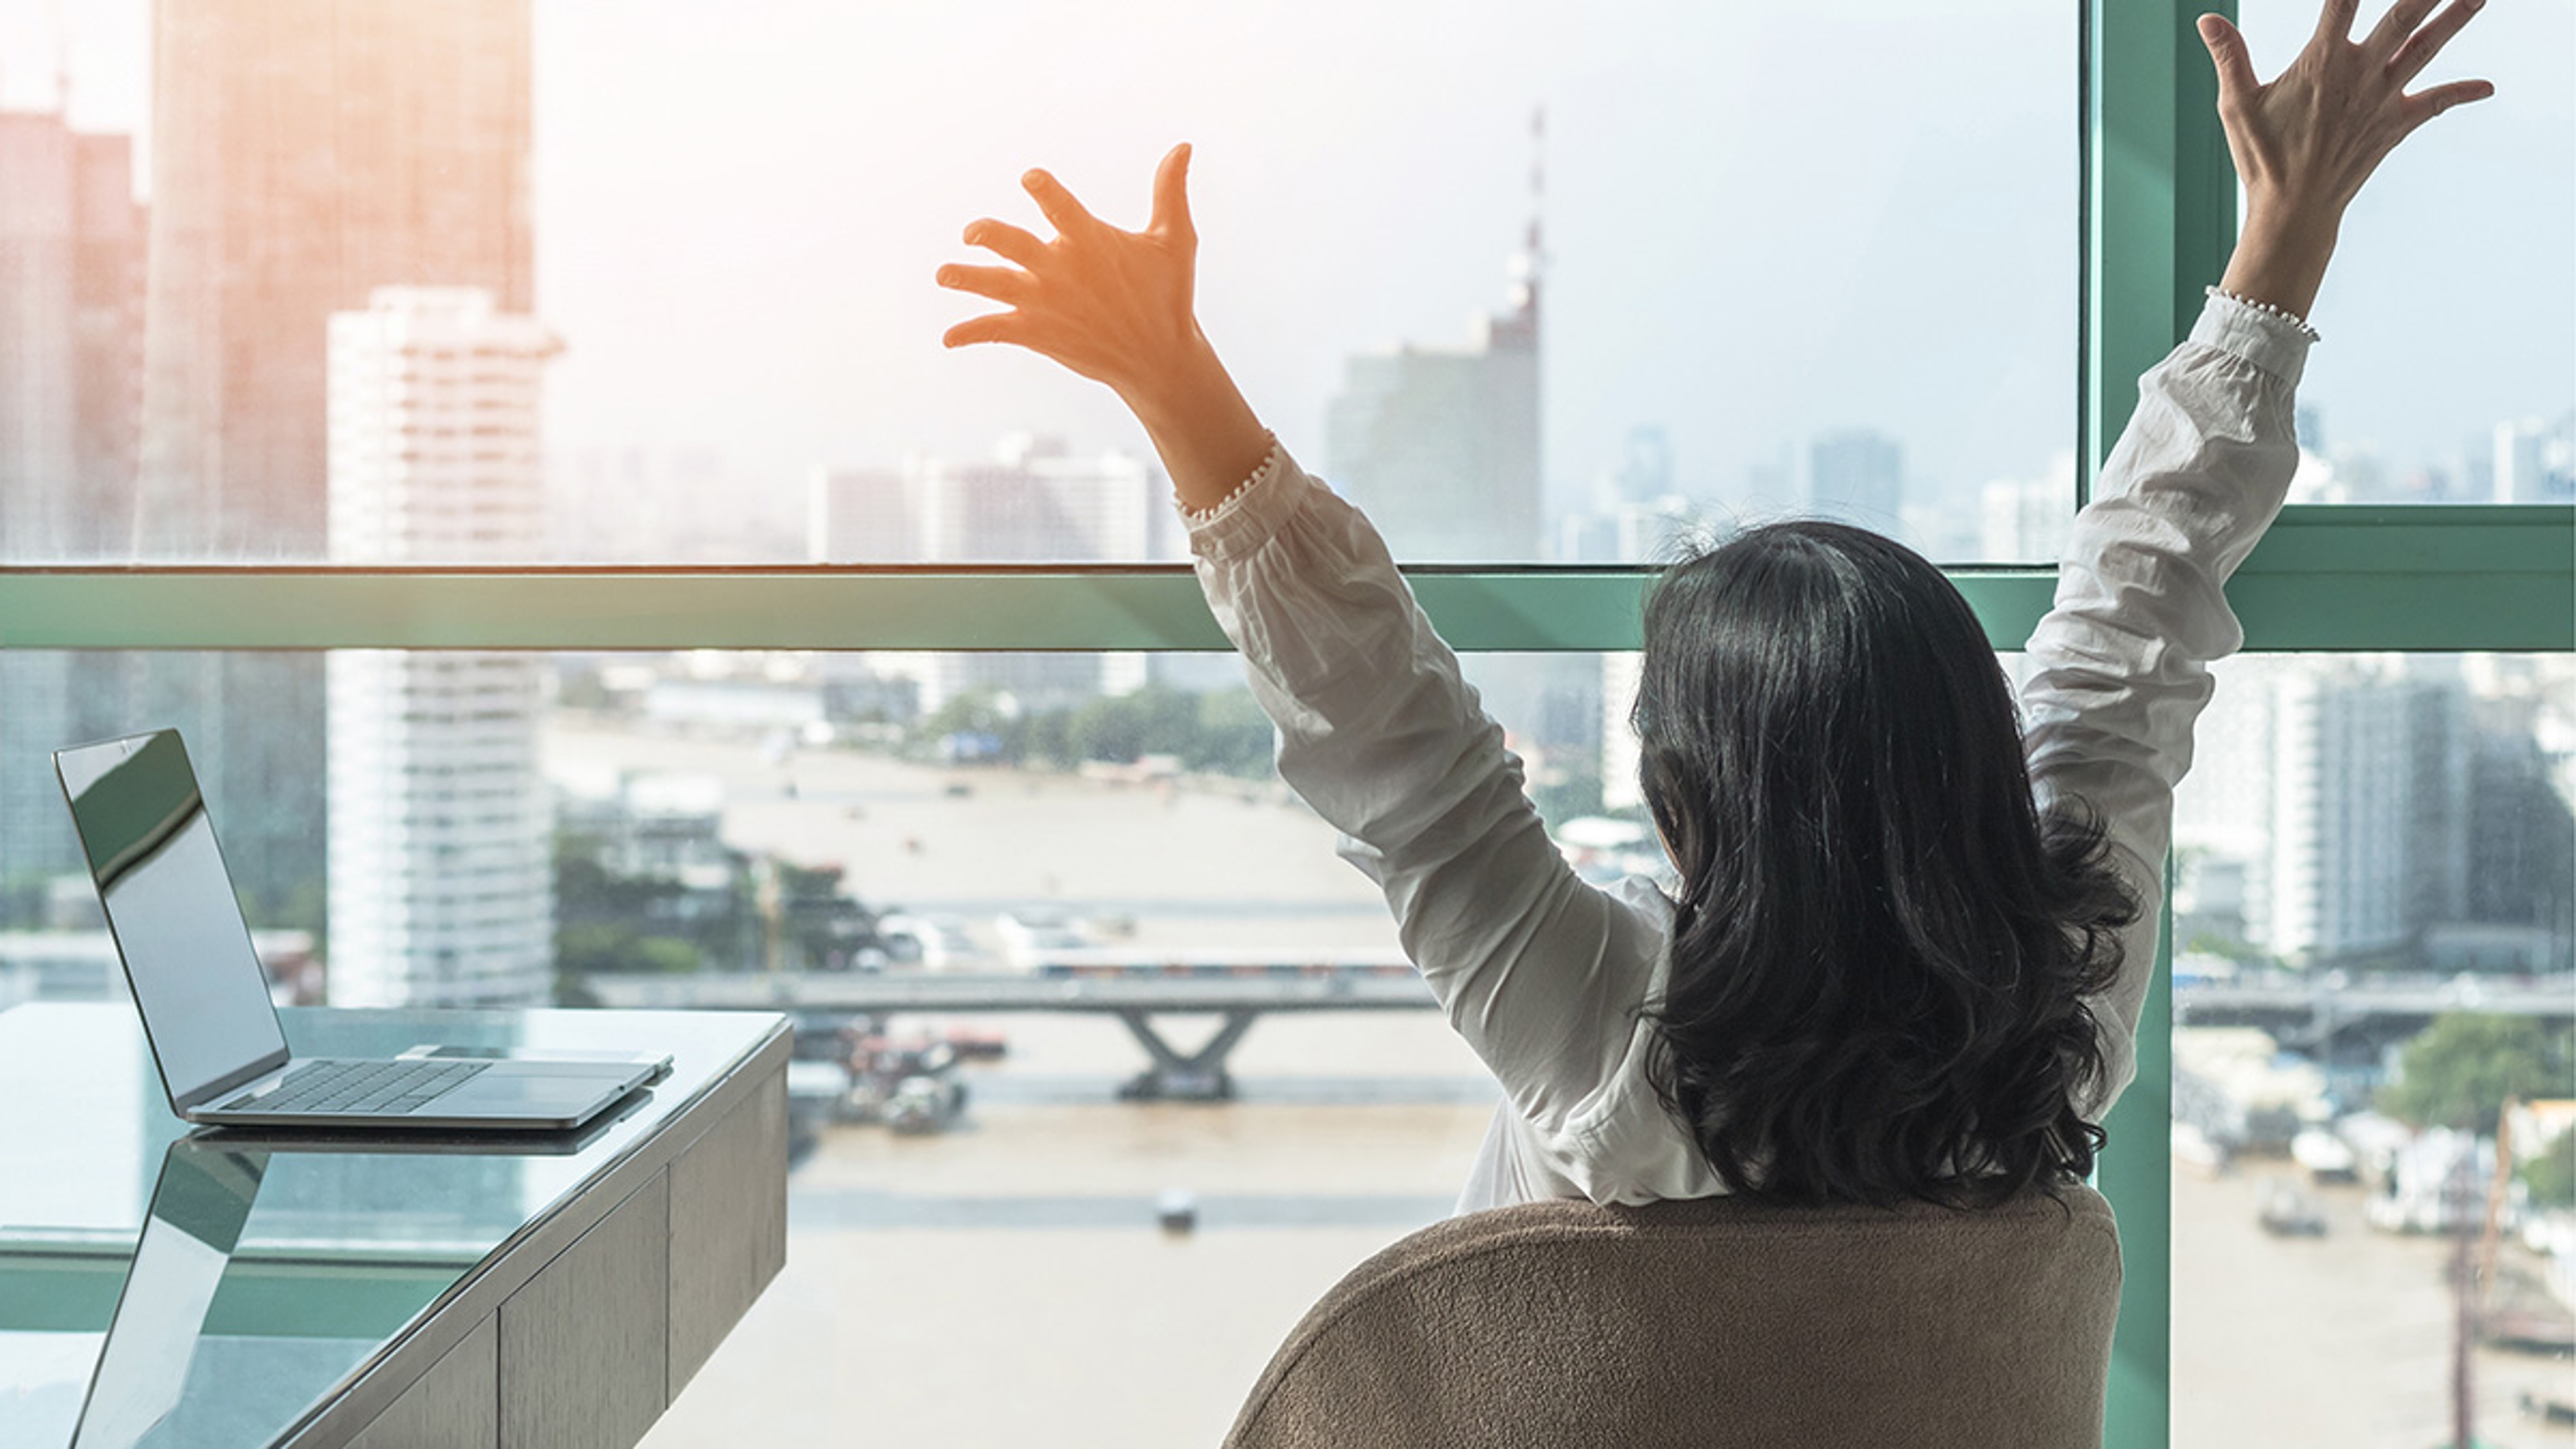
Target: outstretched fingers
pixel 1008 242
pixel 2425 105
pixel 1172 195
pixel 1063 213
pixel 1003 284
pixel 1109 304
pixel 992 327
pixel 2227 51
pixel 2426 43
pixel 2397 24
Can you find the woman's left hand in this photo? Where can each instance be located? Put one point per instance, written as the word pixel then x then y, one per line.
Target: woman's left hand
pixel 2305 143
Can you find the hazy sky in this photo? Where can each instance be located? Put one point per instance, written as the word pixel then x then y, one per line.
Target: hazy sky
pixel 1762 223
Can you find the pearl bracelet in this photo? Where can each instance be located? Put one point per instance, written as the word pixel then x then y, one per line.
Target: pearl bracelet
pixel 1201 515
pixel 2283 313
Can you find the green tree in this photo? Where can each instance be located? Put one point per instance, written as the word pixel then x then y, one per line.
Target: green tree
pixel 1233 736
pixel 976 712
pixel 619 912
pixel 1047 739
pixel 2551 1176
pixel 1120 728
pixel 2459 1071
pixel 821 925
pixel 622 949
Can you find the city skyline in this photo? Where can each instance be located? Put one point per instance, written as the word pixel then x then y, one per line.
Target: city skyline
pixel 1428 433
pixel 820 351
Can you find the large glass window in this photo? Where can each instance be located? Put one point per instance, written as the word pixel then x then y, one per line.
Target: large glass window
pixel 2373 934
pixel 728 228
pixel 1529 285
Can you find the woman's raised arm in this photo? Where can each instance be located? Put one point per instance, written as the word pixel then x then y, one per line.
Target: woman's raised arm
pixel 2120 665
pixel 1118 307
pixel 1378 729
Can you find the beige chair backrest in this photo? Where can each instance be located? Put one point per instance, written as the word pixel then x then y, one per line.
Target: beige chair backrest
pixel 1561 1325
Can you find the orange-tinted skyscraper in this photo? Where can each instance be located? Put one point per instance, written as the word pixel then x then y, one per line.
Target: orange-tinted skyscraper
pixel 306 152
pixel 71 333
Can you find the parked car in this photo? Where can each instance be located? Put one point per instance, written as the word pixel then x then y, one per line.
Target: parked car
pixel 924 1104
pixel 2289 1213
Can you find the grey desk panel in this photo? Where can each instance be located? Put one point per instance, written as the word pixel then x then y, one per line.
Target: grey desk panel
pixel 456 1405
pixel 728 1225
pixel 584 1346
pixel 361 1272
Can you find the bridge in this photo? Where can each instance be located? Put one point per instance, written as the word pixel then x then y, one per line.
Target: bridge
pixel 2312 1011
pixel 2307 1012
pixel 1134 997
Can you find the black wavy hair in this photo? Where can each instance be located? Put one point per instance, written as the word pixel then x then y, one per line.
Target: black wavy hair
pixel 1881 950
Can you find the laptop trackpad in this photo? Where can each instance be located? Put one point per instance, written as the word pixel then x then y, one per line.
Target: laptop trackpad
pixel 534 1097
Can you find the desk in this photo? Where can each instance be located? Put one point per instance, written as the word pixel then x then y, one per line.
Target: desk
pixel 379 1298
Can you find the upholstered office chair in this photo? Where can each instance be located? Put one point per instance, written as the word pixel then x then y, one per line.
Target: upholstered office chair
pixel 1561 1325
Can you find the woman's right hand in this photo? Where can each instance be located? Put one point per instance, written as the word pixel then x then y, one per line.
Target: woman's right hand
pixel 2306 142
pixel 1119 307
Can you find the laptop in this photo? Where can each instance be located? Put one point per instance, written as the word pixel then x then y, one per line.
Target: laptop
pixel 200 1205
pixel 214 1032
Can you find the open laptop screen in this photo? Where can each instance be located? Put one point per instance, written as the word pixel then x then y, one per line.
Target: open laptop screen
pixel 170 903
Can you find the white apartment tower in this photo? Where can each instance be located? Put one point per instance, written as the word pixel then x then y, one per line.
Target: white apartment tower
pixel 2366 834
pixel 1033 501
pixel 441 878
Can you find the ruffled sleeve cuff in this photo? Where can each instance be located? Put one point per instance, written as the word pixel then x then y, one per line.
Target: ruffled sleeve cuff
pixel 1248 517
pixel 2268 340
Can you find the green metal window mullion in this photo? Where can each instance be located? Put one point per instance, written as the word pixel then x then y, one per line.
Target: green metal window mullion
pixel 2159 218
pixel 2416 577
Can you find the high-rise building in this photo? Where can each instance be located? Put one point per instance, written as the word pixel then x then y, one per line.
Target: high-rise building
pixel 2520 867
pixel 441 868
pixel 2026 520
pixel 1440 446
pixel 71 339
pixel 1036 502
pixel 2382 810
pixel 632 503
pixel 1033 501
pixel 1636 512
pixel 2223 809
pixel 863 515
pixel 2366 830
pixel 2535 461
pixel 1620 675
pixel 1856 476
pixel 305 152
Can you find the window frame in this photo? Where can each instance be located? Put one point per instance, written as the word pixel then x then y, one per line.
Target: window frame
pixel 2158 201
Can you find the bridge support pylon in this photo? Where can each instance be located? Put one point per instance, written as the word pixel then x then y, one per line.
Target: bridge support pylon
pixel 1198 1077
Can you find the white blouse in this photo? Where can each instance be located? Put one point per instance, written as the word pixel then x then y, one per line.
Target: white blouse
pixel 1543 973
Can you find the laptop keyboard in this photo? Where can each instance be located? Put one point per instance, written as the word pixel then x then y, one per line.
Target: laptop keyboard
pixel 373 1088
